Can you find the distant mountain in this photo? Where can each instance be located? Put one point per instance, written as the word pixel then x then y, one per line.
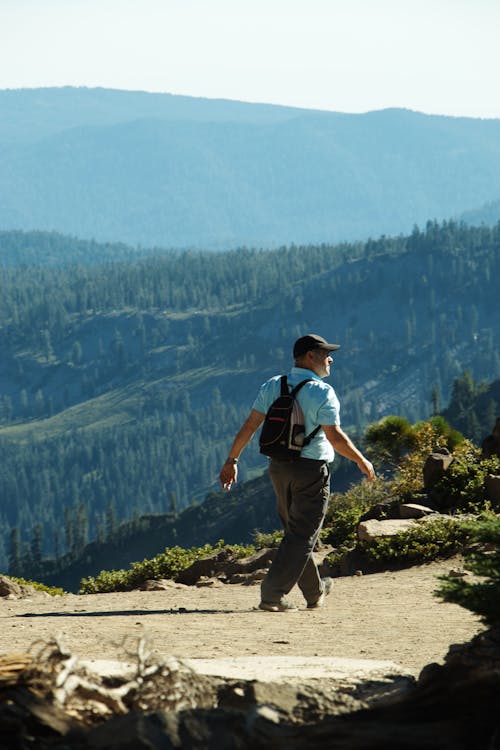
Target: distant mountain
pixel 163 170
pixel 30 115
pixel 19 248
pixel 487 214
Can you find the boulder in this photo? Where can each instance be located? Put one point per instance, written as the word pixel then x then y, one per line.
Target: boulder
pixel 8 587
pixel 259 560
pixel 370 530
pixel 379 511
pixel 492 487
pixel 435 467
pixel 158 584
pixel 206 567
pixel 414 510
pixel 491 445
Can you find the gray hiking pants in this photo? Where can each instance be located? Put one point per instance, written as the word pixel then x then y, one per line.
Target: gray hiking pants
pixel 302 491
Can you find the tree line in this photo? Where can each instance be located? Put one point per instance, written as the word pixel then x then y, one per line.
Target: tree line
pixel 167 352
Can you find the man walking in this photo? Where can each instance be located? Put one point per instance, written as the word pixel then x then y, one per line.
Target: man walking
pixel 302 485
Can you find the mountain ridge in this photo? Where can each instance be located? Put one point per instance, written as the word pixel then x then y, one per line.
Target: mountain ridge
pixel 191 177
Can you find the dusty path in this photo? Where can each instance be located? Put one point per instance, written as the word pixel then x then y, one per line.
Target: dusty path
pixel 389 616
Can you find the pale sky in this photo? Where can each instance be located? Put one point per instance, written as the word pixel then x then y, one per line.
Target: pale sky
pixel 434 56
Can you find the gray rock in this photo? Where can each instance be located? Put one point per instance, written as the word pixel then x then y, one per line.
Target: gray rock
pixel 208 583
pixel 491 445
pixel 160 584
pixel 370 530
pixel 492 487
pixel 436 467
pixel 259 560
pixel 414 510
pixel 207 567
pixel 10 588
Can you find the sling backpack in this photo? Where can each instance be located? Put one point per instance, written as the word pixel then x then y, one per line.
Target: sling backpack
pixel 283 432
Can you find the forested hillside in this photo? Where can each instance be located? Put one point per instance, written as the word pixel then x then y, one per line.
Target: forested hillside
pixel 155 169
pixel 121 383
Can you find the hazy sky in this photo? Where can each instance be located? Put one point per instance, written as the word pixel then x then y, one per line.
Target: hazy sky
pixel 436 56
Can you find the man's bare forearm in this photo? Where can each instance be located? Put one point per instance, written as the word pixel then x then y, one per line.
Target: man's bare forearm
pixel 229 471
pixel 343 444
pixel 246 432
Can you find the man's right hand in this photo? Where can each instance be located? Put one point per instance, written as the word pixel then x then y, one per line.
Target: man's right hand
pixel 228 475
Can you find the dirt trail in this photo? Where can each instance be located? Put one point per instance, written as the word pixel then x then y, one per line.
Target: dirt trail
pixel 387 616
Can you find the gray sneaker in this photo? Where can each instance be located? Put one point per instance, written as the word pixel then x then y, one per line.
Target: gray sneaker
pixel 327 587
pixel 283 605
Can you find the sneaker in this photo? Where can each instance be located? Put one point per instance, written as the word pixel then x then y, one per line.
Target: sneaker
pixel 327 587
pixel 283 605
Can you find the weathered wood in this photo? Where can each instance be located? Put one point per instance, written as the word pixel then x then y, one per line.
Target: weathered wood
pixel 12 667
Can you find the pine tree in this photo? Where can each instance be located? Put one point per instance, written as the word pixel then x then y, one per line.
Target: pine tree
pixel 15 553
pixel 37 546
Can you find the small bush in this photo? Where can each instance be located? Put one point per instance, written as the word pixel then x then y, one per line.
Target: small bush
pixel 341 528
pixel 408 479
pixel 345 510
pixel 453 437
pixel 427 541
pixel 264 540
pixel 389 440
pixel 52 590
pixel 464 483
pixel 167 564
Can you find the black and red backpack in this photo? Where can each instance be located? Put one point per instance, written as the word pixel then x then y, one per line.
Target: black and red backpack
pixel 283 432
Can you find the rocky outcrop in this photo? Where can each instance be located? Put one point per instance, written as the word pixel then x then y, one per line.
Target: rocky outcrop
pixel 414 510
pixel 226 567
pixel 10 589
pixel 54 703
pixel 491 444
pixel 435 467
pixel 492 488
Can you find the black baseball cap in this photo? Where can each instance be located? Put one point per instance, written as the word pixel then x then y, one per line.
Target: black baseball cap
pixel 310 342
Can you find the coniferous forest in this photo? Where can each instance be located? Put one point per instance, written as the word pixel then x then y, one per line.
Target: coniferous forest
pixel 124 373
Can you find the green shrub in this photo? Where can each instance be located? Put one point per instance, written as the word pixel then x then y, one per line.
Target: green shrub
pixel 453 437
pixel 483 558
pixel 464 483
pixel 272 539
pixel 52 590
pixel 426 541
pixel 341 526
pixel 389 440
pixel 345 510
pixel 167 564
pixel 408 480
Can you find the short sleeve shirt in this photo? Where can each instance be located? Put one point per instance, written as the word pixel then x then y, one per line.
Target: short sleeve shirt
pixel 318 402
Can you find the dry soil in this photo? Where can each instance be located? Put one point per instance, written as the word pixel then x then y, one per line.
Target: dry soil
pixel 385 616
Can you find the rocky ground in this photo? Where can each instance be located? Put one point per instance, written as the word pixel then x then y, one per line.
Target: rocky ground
pixel 206 668
pixel 385 616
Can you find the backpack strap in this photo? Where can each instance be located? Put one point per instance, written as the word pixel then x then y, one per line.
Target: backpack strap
pixel 293 393
pixel 312 435
pixel 284 386
pixel 297 388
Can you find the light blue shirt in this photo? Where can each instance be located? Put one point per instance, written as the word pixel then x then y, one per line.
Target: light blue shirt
pixel 318 402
